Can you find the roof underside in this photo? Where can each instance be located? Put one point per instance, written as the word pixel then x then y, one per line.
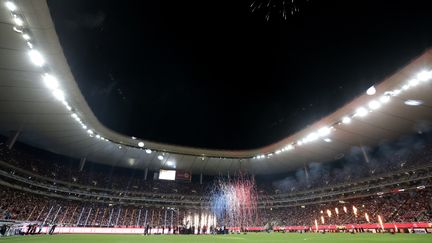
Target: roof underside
pixel 27 106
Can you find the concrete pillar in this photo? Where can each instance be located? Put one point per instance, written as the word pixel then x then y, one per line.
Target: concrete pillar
pixel 145 174
pixel 306 171
pixel 365 155
pixel 12 139
pixel 82 163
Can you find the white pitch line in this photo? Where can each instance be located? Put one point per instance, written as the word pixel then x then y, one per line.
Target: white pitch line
pixel 230 238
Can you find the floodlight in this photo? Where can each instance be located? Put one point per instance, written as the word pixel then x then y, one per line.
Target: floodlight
pixel 59 94
pixel 346 120
pixel 361 111
pixel 10 5
pixel 374 104
pixel 371 91
pixel 36 57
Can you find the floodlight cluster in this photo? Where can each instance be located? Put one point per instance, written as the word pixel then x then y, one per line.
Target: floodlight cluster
pixel 51 82
pixel 322 134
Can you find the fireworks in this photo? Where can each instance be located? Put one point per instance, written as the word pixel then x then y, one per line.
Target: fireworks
pixel 277 8
pixel 234 201
pixel 199 219
pixel 355 211
pixel 380 222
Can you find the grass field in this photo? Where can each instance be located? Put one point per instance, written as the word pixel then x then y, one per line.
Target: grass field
pixel 251 237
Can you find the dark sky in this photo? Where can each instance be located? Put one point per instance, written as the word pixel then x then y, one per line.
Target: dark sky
pixel 213 74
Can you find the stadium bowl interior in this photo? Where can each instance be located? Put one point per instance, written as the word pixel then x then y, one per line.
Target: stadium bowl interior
pixel 364 167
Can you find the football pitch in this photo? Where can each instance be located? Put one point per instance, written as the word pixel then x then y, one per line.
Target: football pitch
pixel 240 238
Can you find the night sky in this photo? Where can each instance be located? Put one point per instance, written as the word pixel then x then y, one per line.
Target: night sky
pixel 215 74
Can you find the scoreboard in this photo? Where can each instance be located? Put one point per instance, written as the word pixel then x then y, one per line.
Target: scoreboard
pixel 172 175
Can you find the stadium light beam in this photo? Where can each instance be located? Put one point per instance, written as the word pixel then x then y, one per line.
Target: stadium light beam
pixel 361 112
pixel 36 58
pixel 289 147
pixel 170 163
pixel 373 104
pixel 424 76
pixel 413 102
pixel 311 137
pixel 371 90
pixel 346 120
pixel 324 131
pixel 18 21
pixel 50 81
pixel 384 99
pixel 59 94
pixel 396 92
pixel 11 6
pixel 413 82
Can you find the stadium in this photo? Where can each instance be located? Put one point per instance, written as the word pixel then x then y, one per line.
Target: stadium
pixel 142 121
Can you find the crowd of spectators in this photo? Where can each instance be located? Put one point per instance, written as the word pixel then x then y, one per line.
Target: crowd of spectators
pixel 360 163
pixel 407 206
pixel 26 206
pixel 66 169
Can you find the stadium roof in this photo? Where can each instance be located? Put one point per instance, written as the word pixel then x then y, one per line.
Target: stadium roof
pixel 28 105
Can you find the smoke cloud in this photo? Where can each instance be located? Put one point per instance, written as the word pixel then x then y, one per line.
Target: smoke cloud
pixel 360 161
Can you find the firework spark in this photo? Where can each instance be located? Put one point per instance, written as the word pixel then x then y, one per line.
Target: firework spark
pixel 355 211
pixel 329 213
pixel 234 201
pixel 380 222
pixel 277 8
